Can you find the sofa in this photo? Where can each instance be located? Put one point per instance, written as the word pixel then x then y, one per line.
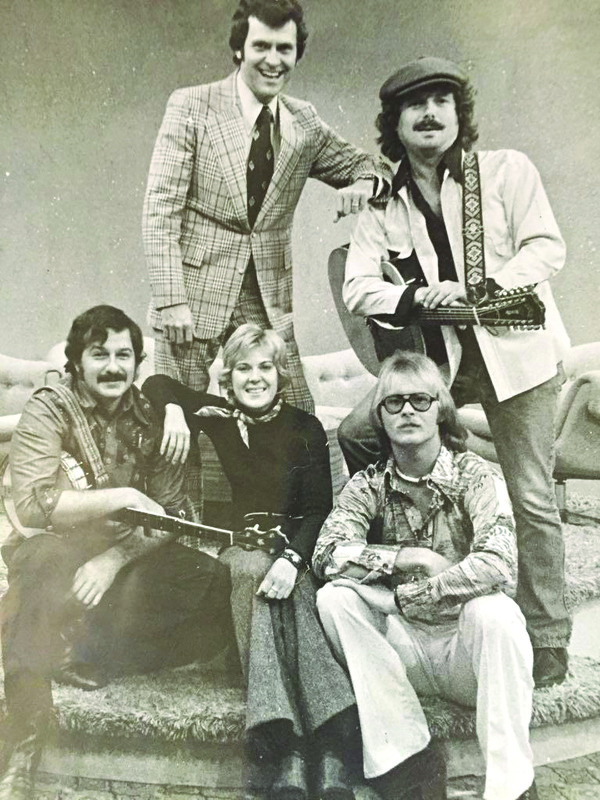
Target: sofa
pixel 338 381
pixel 18 379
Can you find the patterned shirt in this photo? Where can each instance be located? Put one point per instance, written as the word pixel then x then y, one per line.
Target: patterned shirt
pixel 469 521
pixel 128 442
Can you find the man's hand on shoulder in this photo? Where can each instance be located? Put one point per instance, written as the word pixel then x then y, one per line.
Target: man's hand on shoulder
pixel 178 325
pixel 352 199
pixel 411 559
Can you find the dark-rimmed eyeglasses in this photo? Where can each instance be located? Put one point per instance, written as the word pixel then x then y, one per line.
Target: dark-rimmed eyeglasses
pixel 394 403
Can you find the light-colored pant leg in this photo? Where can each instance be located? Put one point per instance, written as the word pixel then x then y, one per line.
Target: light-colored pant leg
pixel 487 662
pixel 392 721
pixel 524 429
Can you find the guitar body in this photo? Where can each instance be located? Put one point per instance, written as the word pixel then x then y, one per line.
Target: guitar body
pixel 389 338
pixel 518 308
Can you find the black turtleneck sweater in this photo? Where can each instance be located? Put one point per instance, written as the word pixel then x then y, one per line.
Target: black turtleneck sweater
pixel 284 470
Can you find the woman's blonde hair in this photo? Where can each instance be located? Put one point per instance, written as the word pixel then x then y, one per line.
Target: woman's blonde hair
pixel 452 432
pixel 245 338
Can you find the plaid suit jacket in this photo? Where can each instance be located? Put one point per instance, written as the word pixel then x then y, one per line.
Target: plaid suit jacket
pixel 197 239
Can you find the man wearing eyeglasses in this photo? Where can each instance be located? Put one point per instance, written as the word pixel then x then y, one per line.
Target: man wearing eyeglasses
pixel 421 562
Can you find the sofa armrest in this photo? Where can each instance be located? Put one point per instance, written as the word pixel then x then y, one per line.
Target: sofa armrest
pixel 578 433
pixel 589 383
pixel 8 423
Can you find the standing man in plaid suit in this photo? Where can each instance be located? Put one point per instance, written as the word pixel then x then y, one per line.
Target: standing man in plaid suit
pixel 218 254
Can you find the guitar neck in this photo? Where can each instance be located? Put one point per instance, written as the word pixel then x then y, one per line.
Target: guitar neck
pixel 181 527
pixel 252 537
pixel 453 316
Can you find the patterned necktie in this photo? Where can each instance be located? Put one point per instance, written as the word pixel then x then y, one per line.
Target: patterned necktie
pixel 260 164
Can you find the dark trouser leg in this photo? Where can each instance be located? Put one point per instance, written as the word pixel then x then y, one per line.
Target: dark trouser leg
pixel 40 576
pixel 357 439
pixel 170 607
pixel 36 606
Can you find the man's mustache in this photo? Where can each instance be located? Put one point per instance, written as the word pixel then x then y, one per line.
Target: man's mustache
pixel 428 125
pixel 111 377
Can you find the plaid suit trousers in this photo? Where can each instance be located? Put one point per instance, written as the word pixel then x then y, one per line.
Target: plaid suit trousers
pixel 190 365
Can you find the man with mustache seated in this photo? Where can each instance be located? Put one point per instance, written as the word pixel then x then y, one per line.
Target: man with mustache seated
pixel 90 597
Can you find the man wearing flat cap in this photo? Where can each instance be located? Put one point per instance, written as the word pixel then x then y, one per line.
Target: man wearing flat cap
pixel 430 225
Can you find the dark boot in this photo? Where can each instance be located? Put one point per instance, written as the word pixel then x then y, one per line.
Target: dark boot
pixel 550 666
pixel 420 777
pixel 21 757
pixel 291 782
pixel 529 794
pixel 333 782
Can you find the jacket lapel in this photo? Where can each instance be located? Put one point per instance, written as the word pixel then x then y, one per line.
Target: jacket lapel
pixel 291 145
pixel 225 129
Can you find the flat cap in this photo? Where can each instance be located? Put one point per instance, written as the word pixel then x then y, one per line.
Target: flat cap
pixel 422 72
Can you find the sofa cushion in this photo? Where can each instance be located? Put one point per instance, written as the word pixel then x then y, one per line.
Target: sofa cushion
pixel 18 379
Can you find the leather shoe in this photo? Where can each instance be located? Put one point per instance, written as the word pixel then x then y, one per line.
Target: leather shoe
pixel 529 794
pixel 332 779
pixel 550 666
pixel 291 782
pixel 21 758
pixel 421 776
pixel 81 675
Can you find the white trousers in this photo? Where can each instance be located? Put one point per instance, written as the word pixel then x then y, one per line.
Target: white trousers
pixel 484 659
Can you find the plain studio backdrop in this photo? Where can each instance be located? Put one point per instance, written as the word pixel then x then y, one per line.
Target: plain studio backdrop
pixel 84 85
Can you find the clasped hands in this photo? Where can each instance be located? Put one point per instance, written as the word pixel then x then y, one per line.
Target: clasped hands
pixel 408 560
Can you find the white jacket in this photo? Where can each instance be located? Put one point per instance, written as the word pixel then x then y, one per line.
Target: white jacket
pixel 522 246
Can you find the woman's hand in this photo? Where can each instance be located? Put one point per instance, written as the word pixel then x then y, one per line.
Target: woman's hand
pixel 279 581
pixel 175 444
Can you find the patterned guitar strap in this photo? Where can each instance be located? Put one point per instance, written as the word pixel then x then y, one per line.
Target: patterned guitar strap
pixel 60 398
pixel 473 231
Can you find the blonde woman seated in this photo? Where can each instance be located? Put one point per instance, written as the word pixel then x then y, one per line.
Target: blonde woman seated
pixel 276 459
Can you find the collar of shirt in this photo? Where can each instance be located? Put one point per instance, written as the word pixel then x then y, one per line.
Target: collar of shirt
pixel 251 105
pixel 441 476
pixel 452 162
pixel 131 400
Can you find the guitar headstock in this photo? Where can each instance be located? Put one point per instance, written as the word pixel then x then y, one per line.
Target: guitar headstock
pixel 272 540
pixel 265 531
pixel 518 308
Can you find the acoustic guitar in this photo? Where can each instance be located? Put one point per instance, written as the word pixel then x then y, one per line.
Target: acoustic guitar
pixel 518 308
pixel 264 531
